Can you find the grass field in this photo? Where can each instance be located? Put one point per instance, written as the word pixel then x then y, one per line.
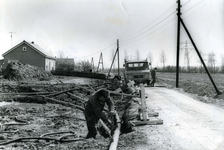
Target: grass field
pixel 199 85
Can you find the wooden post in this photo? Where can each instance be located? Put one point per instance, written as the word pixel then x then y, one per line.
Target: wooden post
pixel 178 43
pixel 118 59
pixel 143 104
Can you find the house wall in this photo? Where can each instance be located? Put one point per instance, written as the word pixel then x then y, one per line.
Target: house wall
pixel 28 56
pixel 49 64
pixel 1 63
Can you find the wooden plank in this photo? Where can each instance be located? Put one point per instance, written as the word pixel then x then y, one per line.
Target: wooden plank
pixel 30 93
pixel 123 94
pixel 153 114
pixel 151 122
pixel 61 92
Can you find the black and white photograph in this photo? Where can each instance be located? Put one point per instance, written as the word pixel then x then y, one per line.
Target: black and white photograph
pixel 112 74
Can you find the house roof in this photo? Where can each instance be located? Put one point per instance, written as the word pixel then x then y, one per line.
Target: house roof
pixel 137 61
pixel 65 60
pixel 33 46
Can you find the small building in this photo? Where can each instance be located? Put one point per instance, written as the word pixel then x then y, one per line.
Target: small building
pixel 1 66
pixel 67 64
pixel 1 63
pixel 29 53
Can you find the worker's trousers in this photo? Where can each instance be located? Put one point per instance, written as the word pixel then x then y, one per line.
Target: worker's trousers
pixel 91 125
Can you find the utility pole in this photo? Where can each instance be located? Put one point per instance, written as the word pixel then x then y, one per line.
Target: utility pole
pixel 11 36
pixel 199 55
pixel 118 68
pixel 195 47
pixel 100 62
pixel 187 49
pixel 178 43
pixel 116 53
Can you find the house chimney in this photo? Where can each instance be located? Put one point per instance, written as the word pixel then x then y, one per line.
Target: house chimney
pixel 32 42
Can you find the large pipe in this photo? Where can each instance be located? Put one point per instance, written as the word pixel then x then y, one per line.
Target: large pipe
pixel 114 143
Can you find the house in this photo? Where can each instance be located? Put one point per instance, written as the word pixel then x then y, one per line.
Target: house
pixel 29 53
pixel 1 64
pixel 65 64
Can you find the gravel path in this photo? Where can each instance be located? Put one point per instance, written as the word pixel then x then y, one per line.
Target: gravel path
pixel 188 124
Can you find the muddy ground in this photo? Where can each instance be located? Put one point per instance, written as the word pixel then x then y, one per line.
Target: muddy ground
pixel 38 116
pixel 32 116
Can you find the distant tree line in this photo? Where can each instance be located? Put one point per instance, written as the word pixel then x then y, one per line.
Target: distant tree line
pixel 196 69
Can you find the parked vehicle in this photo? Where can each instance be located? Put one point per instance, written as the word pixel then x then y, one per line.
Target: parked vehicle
pixel 137 71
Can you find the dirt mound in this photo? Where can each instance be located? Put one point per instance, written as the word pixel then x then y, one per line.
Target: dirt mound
pixel 18 71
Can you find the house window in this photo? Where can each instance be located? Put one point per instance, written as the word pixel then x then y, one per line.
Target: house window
pixel 24 48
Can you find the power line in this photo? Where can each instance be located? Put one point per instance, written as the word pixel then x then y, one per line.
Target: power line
pixel 132 42
pixel 96 52
pixel 136 39
pixel 199 8
pixel 193 6
pixel 148 24
pixel 186 3
pixel 166 23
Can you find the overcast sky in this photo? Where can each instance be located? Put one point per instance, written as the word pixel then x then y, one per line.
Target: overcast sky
pixel 82 29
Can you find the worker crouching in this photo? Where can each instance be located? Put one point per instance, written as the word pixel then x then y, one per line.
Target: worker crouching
pixel 94 110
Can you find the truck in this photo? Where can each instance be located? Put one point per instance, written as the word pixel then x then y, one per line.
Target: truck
pixel 137 71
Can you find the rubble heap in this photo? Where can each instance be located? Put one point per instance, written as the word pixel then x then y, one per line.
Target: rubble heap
pixel 18 71
pixel 51 117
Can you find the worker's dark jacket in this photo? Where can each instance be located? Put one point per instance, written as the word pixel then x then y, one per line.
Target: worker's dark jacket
pixel 94 108
pixel 153 74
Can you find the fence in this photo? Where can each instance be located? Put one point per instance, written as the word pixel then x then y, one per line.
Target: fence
pixel 79 74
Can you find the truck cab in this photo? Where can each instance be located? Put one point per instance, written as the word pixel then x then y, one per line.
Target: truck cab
pixel 137 71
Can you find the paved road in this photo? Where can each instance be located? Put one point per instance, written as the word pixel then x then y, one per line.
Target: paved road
pixel 188 124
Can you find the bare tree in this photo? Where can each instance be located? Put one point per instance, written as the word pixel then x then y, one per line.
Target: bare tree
pixel 211 62
pixel 61 54
pixel 84 66
pixel 222 65
pixel 150 57
pixel 125 55
pixel 163 58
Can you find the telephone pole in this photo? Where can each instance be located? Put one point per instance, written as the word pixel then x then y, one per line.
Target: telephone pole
pixel 178 43
pixel 180 20
pixel 11 36
pixel 116 54
pixel 118 58
pixel 100 62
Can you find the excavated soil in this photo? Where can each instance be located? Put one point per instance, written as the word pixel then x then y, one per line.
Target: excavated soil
pixel 29 115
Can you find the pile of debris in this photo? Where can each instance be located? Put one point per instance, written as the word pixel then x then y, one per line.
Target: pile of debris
pixel 18 71
pixel 60 122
